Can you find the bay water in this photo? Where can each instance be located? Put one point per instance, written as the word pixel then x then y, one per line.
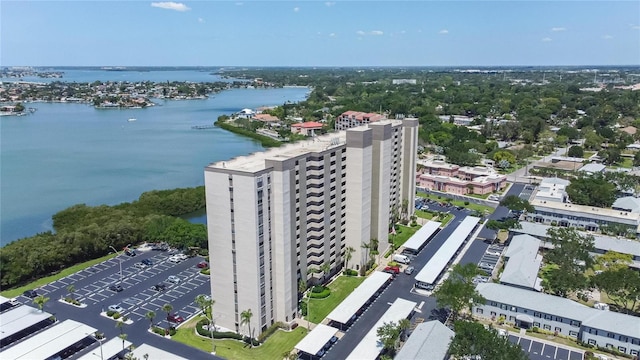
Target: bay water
pixel 65 154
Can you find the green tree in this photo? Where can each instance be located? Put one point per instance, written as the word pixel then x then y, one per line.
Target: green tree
pixel 168 309
pixel 593 190
pixel 636 159
pixel 123 337
pixel 150 315
pixel 325 268
pixel 622 285
pixel 389 334
pixel 348 253
pixel 472 340
pixel 515 203
pixel 504 155
pixel 458 291
pixel 612 260
pixel 206 306
pixel 576 151
pixel 571 256
pixel 40 301
pixel 245 318
pixel 71 289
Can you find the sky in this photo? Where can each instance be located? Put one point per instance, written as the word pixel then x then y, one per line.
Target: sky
pixel 319 33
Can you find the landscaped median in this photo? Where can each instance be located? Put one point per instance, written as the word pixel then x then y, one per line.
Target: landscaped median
pixel 273 348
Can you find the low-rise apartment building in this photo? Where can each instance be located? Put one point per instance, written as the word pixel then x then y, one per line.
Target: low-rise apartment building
pixel 350 119
pixel 441 176
pixel 528 309
pixel 275 217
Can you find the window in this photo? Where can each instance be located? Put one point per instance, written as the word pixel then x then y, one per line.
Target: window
pixel 558 329
pixel 479 311
pixel 635 341
pixel 536 324
pixel 503 306
pixel 512 318
pixel 548 317
pixel 537 314
pixel 493 303
pixel 493 313
pixel 573 333
pixel 547 327
pixel 611 335
pixel 514 309
pixel 575 323
pixel 622 349
pixel 591 342
pixel 609 346
pixel 633 352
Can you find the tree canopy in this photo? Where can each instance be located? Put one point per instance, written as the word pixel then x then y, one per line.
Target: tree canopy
pixel 515 203
pixel 458 291
pixel 592 190
pixel 570 255
pixel 472 339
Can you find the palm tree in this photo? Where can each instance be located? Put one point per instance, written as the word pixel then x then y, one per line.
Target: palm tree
pixel 123 336
pixel 325 268
pixel 348 252
pixel 120 326
pixel 40 301
pixel 71 289
pixel 150 315
pixel 168 309
pixel 367 248
pixel 206 306
pixel 245 318
pixel 404 325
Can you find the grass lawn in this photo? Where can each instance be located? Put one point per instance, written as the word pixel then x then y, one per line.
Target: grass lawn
pixel 446 219
pixel 11 293
pixel 588 154
pixel 626 163
pixel 340 289
pixel 424 214
pixel 471 205
pixel 274 348
pixel 403 233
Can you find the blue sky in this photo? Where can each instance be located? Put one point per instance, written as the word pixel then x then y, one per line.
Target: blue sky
pixel 319 33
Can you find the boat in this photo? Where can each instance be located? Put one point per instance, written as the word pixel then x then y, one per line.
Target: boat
pixel 132 119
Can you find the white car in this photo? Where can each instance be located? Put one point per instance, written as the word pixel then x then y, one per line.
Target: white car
pixel 181 256
pixel 116 308
pixel 173 279
pixel 174 259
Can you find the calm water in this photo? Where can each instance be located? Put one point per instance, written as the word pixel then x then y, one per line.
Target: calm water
pixel 66 154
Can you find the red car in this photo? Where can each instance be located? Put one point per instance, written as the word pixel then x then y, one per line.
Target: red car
pixel 175 318
pixel 203 265
pixel 392 270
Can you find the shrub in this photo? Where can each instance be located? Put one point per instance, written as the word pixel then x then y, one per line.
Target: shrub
pixel 351 272
pixel 253 342
pixel 125 318
pixel 303 308
pixel 271 329
pixel 117 316
pixel 466 203
pixel 110 313
pixel 158 330
pixel 206 271
pixel 319 292
pixel 172 331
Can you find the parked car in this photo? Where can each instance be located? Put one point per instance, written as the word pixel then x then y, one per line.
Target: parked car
pixel 409 270
pixel 130 252
pixel 181 256
pixel 174 318
pixel 139 265
pixel 392 270
pixel 116 308
pixel 173 279
pixel 147 262
pixel 174 259
pixel 116 287
pixel 203 265
pixel 30 294
pixel 159 287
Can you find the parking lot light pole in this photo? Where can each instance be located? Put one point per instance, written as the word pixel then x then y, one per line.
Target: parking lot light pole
pixel 120 261
pixel 99 342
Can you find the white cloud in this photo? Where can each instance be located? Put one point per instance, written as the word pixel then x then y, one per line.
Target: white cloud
pixel 360 32
pixel 330 3
pixel 332 35
pixel 547 39
pixel 443 31
pixel 296 9
pixel 373 32
pixel 556 29
pixel 607 37
pixel 635 27
pixel 376 32
pixel 201 20
pixel 170 5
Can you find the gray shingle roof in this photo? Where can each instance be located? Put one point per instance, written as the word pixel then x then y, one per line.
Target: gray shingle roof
pixel 627 203
pixel 430 338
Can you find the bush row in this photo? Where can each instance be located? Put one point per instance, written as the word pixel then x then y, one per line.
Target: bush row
pixel 222 334
pixel 319 292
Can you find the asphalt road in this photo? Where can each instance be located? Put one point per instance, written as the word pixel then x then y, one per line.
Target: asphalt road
pixel 137 298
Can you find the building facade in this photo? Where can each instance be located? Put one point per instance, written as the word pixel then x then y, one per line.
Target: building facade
pixel 441 176
pixel 277 217
pixel 351 119
pixel 528 309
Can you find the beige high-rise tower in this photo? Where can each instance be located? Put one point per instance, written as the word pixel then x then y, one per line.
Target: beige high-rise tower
pixel 274 215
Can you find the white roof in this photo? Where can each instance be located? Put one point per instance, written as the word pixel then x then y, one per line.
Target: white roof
pixel 3 300
pixel 555 180
pixel 109 349
pixel 316 339
pixel 50 341
pixel 369 347
pixel 20 318
pixel 154 353
pixel 592 168
pixel 627 203
pixel 418 239
pixel 358 297
pixel 441 258
pixel 431 337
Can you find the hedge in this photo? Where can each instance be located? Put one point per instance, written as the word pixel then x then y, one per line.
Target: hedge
pixel 222 334
pixel 319 292
pixel 350 272
pixel 272 329
pixel 110 313
pixel 303 308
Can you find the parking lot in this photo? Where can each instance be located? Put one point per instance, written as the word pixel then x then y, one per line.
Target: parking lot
pixel 137 296
pixel 490 258
pixel 538 350
pixel 526 192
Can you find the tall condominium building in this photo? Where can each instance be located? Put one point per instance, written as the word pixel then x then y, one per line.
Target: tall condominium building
pixel 350 119
pixel 277 217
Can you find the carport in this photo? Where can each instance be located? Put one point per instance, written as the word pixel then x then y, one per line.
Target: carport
pixel 316 339
pixel 524 321
pixel 417 241
pixel 349 306
pixel 21 322
pixel 107 350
